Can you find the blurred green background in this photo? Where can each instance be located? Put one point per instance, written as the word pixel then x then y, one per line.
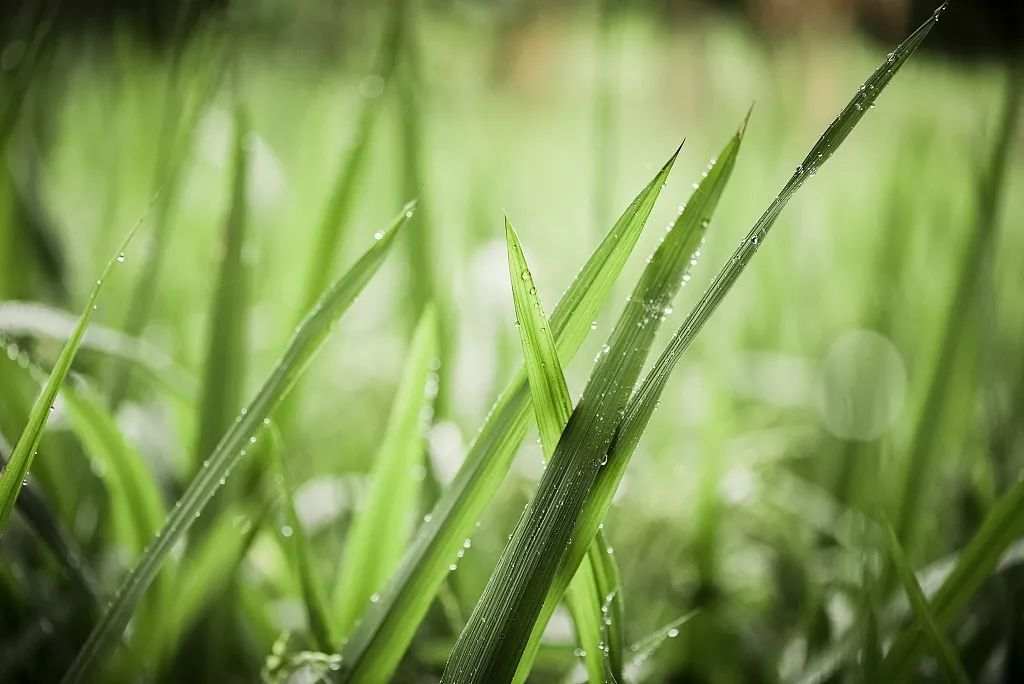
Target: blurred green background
pixel 797 406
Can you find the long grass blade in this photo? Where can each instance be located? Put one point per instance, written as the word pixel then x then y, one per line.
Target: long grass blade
pixel 384 522
pixel 925 621
pixel 498 631
pixel 552 406
pixel 645 400
pixel 24 452
pixel 685 239
pixel 307 340
pixel 376 645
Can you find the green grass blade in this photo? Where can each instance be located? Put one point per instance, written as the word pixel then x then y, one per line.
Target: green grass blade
pixel 306 341
pixel 645 400
pixel 552 406
pixel 686 237
pixel 381 528
pixel 645 647
pixel 24 452
pixel 925 621
pixel 970 278
pixel 339 205
pixel 376 645
pixel 505 618
pixel 313 596
pixel 224 365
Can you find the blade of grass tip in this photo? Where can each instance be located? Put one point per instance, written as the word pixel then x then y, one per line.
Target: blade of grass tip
pixel 687 235
pixel 34 508
pixel 309 336
pixel 645 400
pixel 643 649
pixel 925 621
pixel 331 231
pixel 509 611
pixel 24 452
pixel 552 407
pixel 382 525
pixel 224 365
pixel 294 536
pixel 971 275
pixel 376 645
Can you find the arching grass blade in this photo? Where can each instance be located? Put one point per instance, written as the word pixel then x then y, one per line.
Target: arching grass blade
pixel 24 452
pixel 307 340
pixel 552 406
pixel 376 645
pixel 381 528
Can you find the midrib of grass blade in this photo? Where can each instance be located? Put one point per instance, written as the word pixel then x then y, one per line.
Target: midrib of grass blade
pixel 970 277
pixel 339 205
pixel 925 621
pixel 307 339
pixel 382 526
pixel 17 468
pixel 645 400
pixel 385 630
pixel 498 631
pixel 552 407
pixel 313 597
pixel 687 234
pixel 224 365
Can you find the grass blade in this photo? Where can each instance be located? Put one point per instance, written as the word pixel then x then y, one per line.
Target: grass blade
pixel 382 526
pixel 312 589
pixel 505 618
pixel 224 365
pixel 645 400
pixel 375 647
pixel 24 452
pixel 944 652
pixel 308 338
pixel 339 205
pixel 552 406
pixel 686 237
pixel 972 270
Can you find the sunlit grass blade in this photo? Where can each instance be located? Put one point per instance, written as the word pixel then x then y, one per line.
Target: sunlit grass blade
pixel 24 452
pixel 676 255
pixel 552 406
pixel 313 597
pixel 382 636
pixel 226 347
pixel 339 205
pixel 310 335
pixel 381 527
pixel 509 613
pixel 925 621
pixel 969 280
pixel 645 400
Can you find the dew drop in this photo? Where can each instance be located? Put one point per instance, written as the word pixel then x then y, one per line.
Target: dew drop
pixel 672 633
pixel 379 235
pixel 374 597
pixel 287 531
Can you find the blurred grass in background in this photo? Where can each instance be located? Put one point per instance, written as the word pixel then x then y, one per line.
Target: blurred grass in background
pixel 798 408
